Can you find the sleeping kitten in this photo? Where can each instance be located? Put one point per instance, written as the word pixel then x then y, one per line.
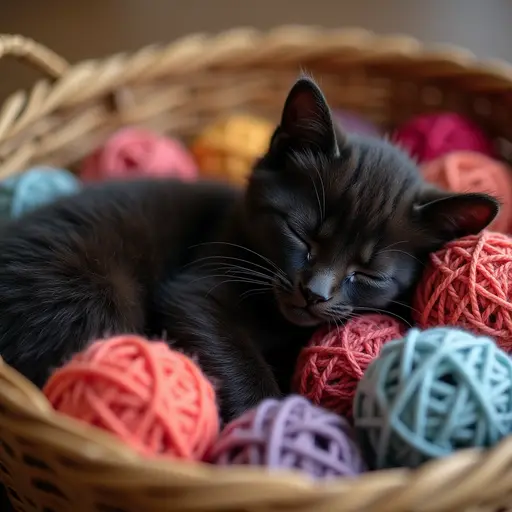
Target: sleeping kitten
pixel 331 225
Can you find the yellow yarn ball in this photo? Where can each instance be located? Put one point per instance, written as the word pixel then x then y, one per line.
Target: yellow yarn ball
pixel 228 148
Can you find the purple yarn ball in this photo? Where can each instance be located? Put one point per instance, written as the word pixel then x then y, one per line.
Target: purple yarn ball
pixel 351 122
pixel 291 434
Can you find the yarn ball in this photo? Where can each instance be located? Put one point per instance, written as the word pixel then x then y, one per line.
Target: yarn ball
pixel 228 148
pixel 290 434
pixel 431 136
pixel 431 393
pixel 334 361
pixel 354 123
pixel 136 153
pixel 36 187
pixel 466 171
pixel 153 398
pixel 468 283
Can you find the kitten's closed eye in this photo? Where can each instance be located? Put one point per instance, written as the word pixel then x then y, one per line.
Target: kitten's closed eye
pixel 367 277
pixel 301 238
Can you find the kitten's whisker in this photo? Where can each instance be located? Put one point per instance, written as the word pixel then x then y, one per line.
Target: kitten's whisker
pixel 385 312
pixel 405 305
pixel 323 193
pixel 237 280
pixel 230 281
pixel 238 268
pixel 273 277
pixel 338 324
pixel 269 280
pixel 406 253
pixel 229 258
pixel 393 244
pixel 270 262
pixel 231 269
pixel 320 208
pixel 250 293
pixel 336 321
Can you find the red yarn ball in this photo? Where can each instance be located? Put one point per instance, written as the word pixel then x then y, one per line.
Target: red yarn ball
pixel 467 171
pixel 153 398
pixel 468 284
pixel 330 367
pixel 430 136
pixel 135 153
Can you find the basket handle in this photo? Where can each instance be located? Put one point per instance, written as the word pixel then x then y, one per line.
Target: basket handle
pixel 33 53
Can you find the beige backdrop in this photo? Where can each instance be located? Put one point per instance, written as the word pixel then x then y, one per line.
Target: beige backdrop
pixel 88 28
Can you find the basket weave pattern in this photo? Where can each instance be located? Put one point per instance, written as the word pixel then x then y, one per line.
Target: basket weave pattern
pixel 52 463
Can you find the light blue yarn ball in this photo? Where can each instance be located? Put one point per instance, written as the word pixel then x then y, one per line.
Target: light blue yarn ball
pixel 431 393
pixel 36 187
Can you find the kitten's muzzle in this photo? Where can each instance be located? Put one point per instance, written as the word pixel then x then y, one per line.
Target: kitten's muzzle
pixel 318 289
pixel 311 296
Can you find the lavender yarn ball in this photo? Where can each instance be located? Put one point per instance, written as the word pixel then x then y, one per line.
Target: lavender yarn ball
pixel 291 434
pixel 354 123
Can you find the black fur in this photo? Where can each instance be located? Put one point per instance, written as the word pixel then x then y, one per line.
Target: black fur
pixel 329 226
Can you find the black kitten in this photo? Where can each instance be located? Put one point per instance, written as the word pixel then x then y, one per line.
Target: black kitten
pixel 330 225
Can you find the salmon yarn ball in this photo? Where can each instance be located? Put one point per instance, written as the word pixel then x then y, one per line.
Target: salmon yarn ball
pixel 468 283
pixel 330 367
pixel 467 171
pixel 430 136
pixel 139 153
pixel 228 148
pixel 153 398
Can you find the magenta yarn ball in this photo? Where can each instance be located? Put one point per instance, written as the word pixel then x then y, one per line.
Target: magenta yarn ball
pixel 354 123
pixel 139 153
pixel 431 136
pixel 291 434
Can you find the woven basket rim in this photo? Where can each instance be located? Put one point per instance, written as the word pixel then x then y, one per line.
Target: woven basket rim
pixel 68 85
pixel 226 49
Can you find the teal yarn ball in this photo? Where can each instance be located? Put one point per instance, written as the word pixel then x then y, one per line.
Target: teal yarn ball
pixel 431 393
pixel 36 187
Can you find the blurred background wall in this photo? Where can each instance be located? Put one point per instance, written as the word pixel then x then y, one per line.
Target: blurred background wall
pixel 79 29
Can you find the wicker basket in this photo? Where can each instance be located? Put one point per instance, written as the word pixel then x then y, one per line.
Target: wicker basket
pixel 51 463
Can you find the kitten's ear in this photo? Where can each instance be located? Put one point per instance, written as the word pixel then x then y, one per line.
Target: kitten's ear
pixel 451 216
pixel 306 122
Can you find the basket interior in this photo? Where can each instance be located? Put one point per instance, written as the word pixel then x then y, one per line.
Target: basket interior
pixel 47 459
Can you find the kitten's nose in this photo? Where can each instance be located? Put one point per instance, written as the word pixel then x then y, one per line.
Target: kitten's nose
pixel 317 289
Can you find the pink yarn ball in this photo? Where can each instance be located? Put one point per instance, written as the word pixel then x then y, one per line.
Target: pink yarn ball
pixel 433 135
pixel 136 153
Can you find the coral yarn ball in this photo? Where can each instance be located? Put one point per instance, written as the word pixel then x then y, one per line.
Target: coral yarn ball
pixel 228 148
pixel 431 393
pixel 290 434
pixel 138 153
pixel 468 283
pixel 466 171
pixel 153 398
pixel 334 361
pixel 431 136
